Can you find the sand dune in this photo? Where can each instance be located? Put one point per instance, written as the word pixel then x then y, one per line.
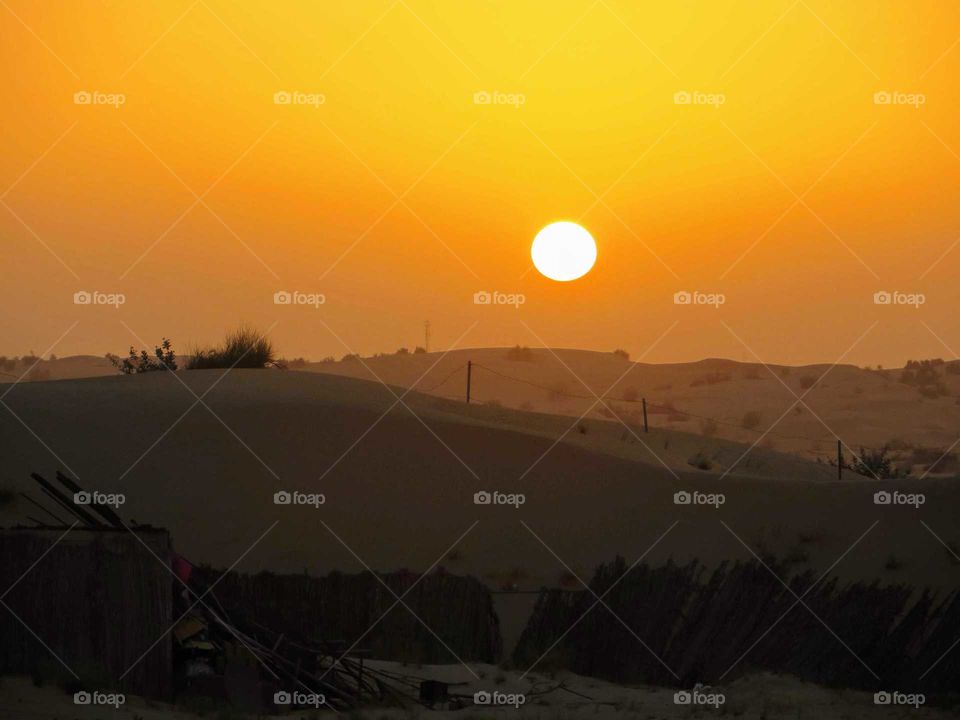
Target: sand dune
pixel 868 408
pixel 403 494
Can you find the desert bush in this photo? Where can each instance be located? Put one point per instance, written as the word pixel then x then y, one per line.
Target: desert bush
pixel 620 353
pixel 520 354
pixel 923 375
pixel 328 359
pixel 402 351
pixel 419 350
pixel 750 420
pixel 874 463
pixel 164 358
pixel 243 348
pixel 350 357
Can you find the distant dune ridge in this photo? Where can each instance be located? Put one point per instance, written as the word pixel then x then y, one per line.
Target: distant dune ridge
pixel 871 409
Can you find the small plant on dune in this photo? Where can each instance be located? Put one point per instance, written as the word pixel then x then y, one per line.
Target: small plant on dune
pixel 419 350
pixel 874 463
pixel 241 348
pixel 622 354
pixel 164 358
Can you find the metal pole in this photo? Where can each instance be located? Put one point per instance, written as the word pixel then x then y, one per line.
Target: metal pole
pixel 645 427
pixel 469 373
pixel 839 460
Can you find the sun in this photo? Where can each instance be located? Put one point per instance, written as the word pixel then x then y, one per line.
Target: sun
pixel 563 251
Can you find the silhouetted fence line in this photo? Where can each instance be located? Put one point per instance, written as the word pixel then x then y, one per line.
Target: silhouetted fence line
pixel 663 408
pixel 741 618
pixel 358 608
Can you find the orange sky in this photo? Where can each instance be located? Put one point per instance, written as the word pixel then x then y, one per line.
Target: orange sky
pixel 694 197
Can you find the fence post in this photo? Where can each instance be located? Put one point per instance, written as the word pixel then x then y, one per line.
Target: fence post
pixel 469 373
pixel 839 460
pixel 645 427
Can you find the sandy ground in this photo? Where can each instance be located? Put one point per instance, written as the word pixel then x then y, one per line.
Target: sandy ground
pixel 401 495
pixel 868 408
pixel 754 697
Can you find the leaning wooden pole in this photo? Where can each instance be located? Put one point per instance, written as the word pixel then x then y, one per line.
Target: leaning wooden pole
pixel 469 378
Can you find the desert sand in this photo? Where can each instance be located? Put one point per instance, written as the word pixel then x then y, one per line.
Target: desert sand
pixel 399 485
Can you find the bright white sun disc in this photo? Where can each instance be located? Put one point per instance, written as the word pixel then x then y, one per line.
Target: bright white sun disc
pixel 563 251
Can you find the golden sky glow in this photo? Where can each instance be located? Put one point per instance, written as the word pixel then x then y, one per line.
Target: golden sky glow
pixel 720 147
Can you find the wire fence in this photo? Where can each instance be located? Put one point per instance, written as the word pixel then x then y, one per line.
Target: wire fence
pixel 652 407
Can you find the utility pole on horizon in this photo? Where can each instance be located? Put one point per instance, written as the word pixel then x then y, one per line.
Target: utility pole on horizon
pixel 426 335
